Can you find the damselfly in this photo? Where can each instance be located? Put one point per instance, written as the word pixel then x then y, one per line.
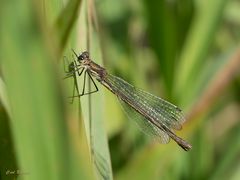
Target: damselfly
pixel 155 116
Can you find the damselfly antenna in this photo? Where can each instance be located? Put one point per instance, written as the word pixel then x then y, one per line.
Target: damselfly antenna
pixel 75 53
pixel 82 56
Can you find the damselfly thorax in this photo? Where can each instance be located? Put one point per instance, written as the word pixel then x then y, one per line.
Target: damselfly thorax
pixel 155 116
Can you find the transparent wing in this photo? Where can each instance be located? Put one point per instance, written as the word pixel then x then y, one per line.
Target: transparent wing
pixel 169 114
pixel 144 124
pixel 163 112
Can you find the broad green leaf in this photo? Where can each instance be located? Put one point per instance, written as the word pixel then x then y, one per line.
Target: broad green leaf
pixel 92 105
pixel 43 144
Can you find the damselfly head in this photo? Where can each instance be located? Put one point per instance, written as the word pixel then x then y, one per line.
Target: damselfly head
pixel 83 56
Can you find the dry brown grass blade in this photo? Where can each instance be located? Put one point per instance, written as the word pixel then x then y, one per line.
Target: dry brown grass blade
pixel 216 86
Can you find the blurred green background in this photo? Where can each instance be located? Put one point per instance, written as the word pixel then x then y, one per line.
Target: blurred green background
pixel 187 52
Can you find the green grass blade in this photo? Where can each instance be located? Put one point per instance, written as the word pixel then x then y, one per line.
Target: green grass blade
pixel 198 41
pixel 3 96
pixel 229 157
pixel 167 24
pixel 66 20
pixel 92 106
pixel 7 151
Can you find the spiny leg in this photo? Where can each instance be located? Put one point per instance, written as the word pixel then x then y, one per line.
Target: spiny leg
pixel 79 74
pixel 75 85
pixel 70 74
pixel 96 90
pixel 83 90
pixel 73 65
pixel 78 67
pixel 84 80
pixel 84 84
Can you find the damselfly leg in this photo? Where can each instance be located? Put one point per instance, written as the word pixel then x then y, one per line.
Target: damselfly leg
pixel 86 73
pixel 75 69
pixel 70 71
pixel 72 68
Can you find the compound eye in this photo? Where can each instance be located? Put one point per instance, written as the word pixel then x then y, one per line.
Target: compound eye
pixel 81 57
pixel 86 55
